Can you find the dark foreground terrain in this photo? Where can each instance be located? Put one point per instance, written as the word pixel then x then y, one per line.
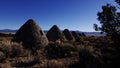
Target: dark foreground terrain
pixel 85 52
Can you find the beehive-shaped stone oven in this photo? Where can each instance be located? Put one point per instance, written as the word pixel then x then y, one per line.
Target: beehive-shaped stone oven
pixel 68 35
pixel 55 34
pixel 31 35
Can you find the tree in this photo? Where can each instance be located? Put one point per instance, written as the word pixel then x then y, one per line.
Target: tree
pixel 118 1
pixel 110 22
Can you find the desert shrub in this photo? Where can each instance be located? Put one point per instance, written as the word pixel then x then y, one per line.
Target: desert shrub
pixel 79 39
pixel 12 49
pixel 87 43
pixel 16 50
pixel 5 64
pixel 28 61
pixel 54 64
pixel 5 39
pixel 5 49
pixel 58 51
pixel 85 55
pixel 2 57
pixel 87 59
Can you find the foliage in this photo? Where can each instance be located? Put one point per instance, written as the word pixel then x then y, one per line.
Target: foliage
pixel 94 52
pixel 58 51
pixel 26 62
pixel 118 1
pixel 110 22
pixel 12 49
pixel 85 57
pixel 2 57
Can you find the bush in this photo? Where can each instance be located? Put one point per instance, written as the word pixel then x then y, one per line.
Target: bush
pixel 58 51
pixel 28 61
pixel 6 49
pixel 2 57
pixel 16 50
pixel 90 57
pixel 12 49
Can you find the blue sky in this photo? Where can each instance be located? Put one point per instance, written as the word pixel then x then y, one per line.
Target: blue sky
pixel 72 14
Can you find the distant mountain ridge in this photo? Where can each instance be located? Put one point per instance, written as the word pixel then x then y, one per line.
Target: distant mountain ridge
pixel 8 31
pixel 86 33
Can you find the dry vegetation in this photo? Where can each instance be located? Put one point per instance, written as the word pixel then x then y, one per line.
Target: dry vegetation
pixel 87 52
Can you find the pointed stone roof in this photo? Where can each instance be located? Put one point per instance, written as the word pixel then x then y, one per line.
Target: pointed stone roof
pixel 55 34
pixel 68 35
pixel 75 34
pixel 31 35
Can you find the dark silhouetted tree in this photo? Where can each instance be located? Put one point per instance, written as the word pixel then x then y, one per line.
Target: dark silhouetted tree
pixel 110 22
pixel 118 1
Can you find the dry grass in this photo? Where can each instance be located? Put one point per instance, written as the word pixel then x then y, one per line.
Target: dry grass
pixel 4 40
pixel 6 64
pixel 94 51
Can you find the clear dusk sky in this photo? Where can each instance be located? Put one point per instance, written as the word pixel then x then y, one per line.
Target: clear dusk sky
pixel 72 14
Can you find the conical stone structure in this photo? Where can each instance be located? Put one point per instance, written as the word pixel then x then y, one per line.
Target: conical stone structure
pixel 68 35
pixel 31 35
pixel 75 35
pixel 55 34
